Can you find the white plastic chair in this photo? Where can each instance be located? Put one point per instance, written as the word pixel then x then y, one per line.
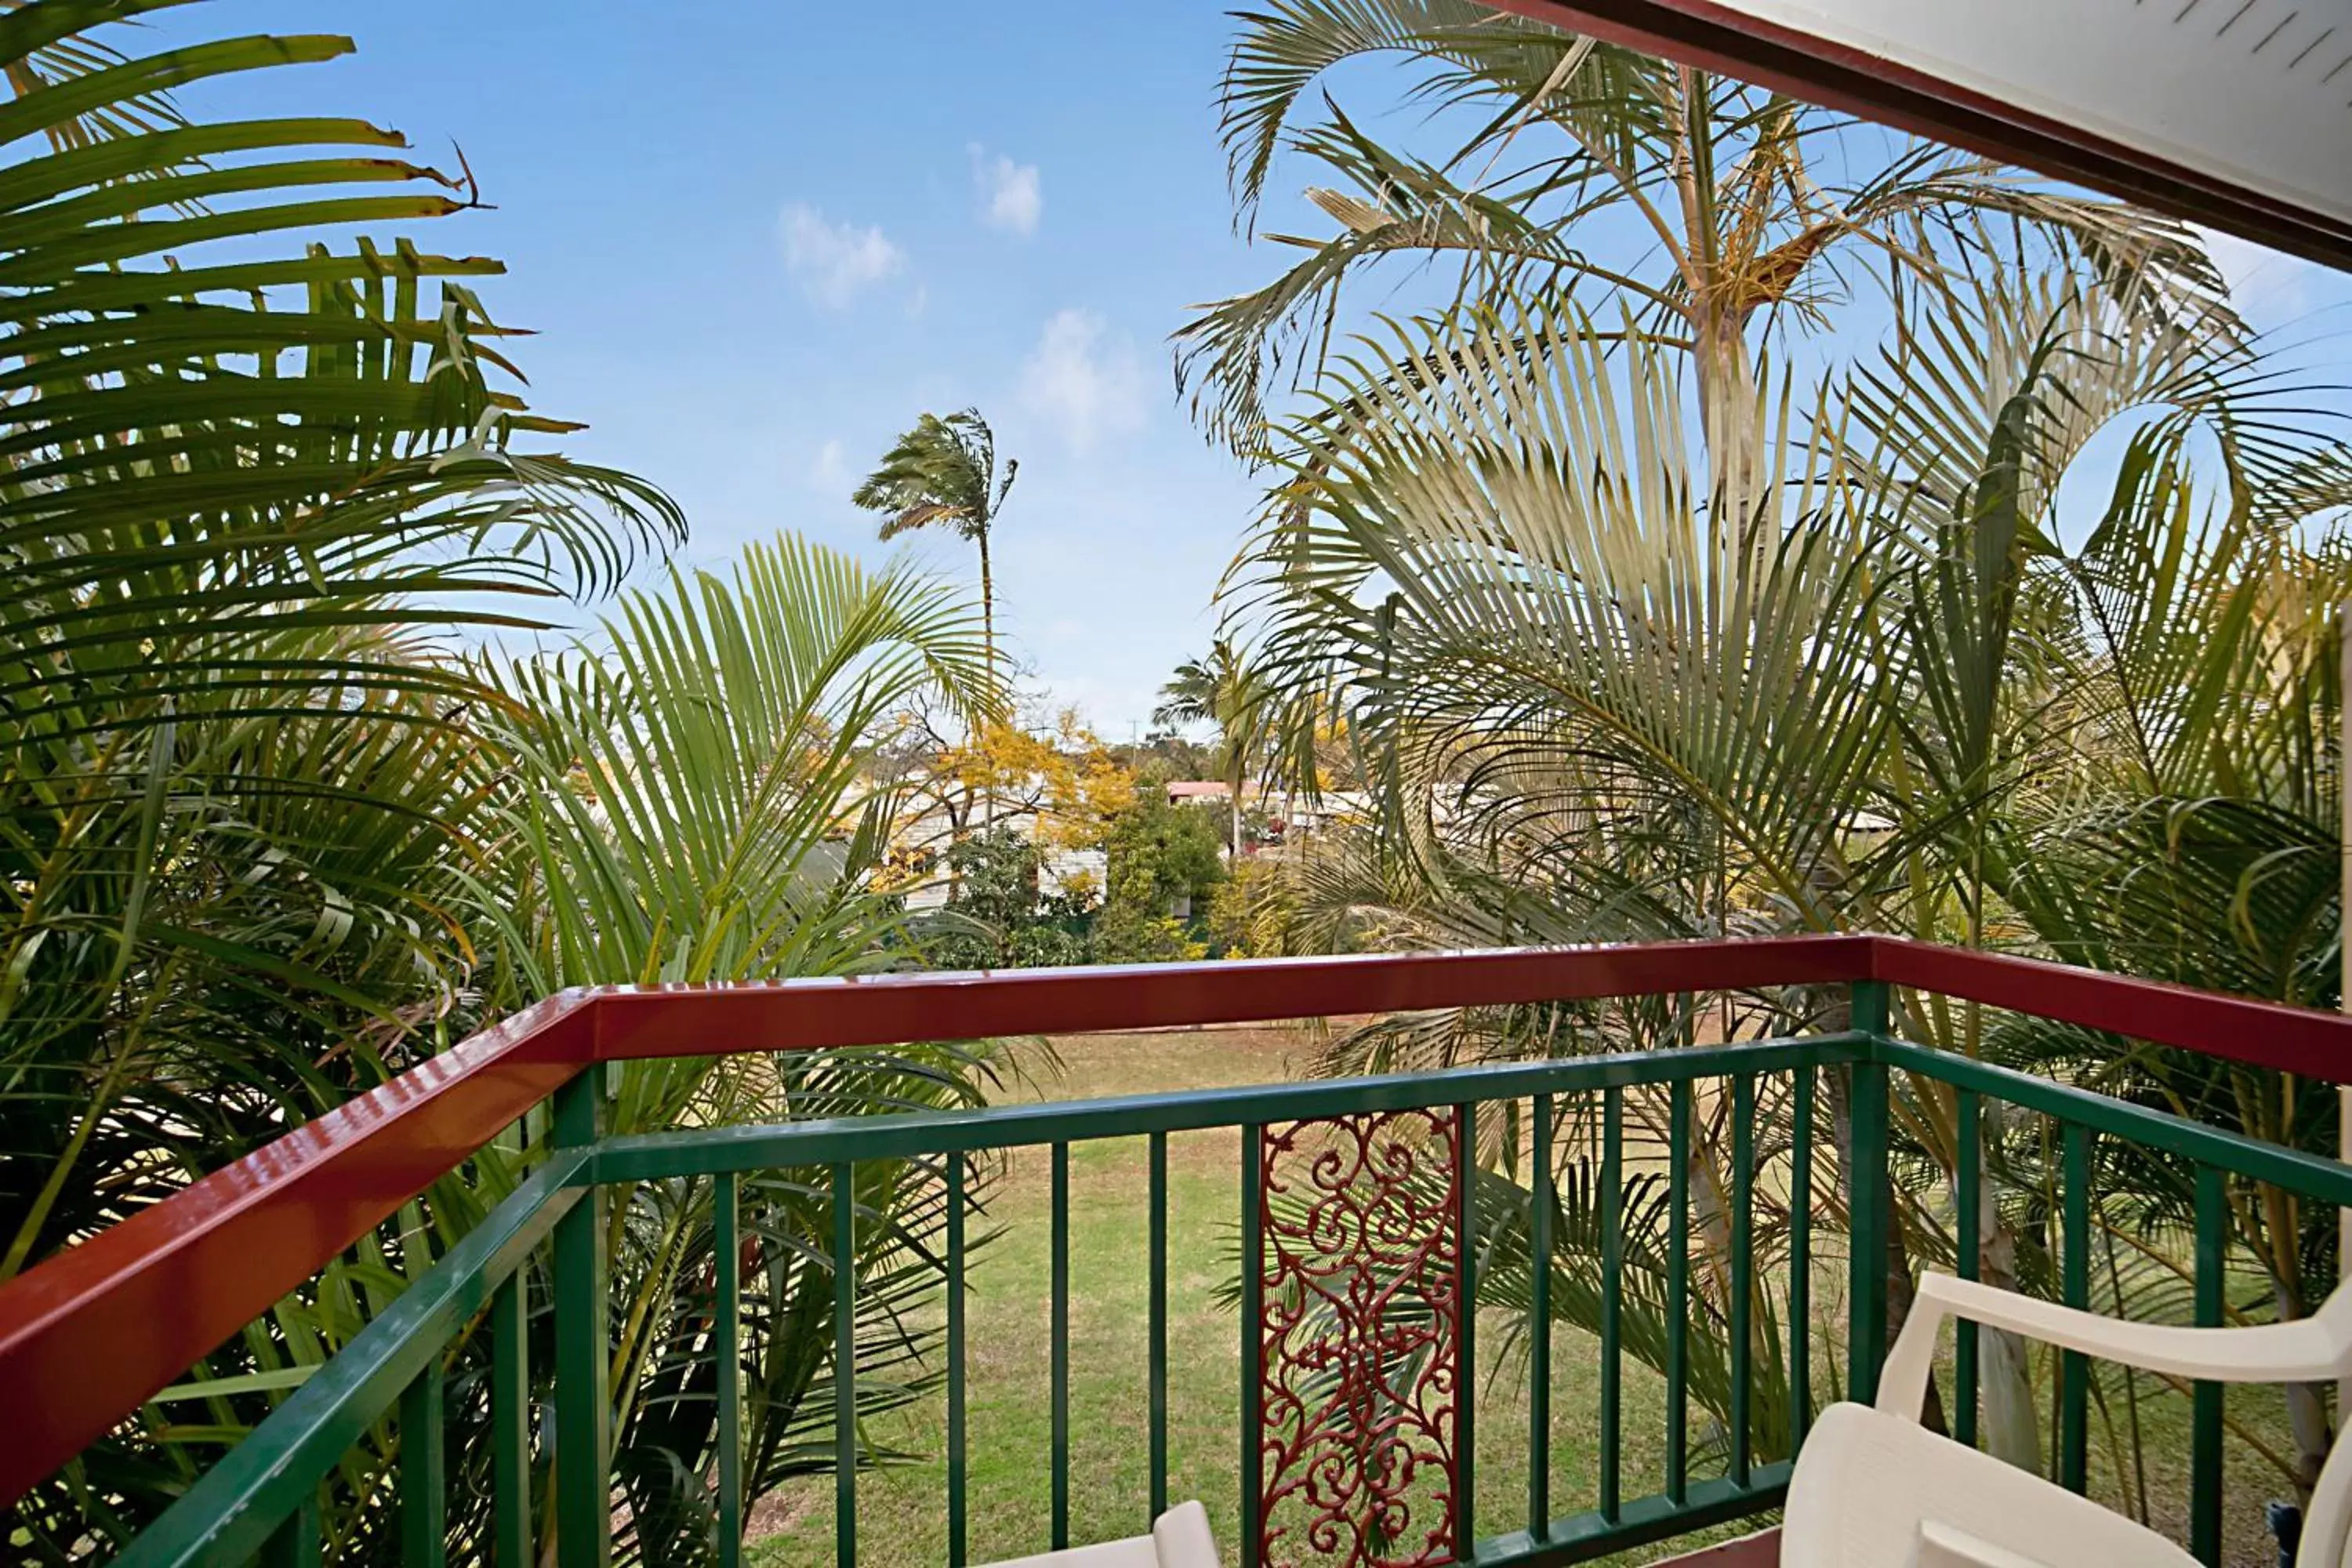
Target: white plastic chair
pixel 1178 1539
pixel 1873 1488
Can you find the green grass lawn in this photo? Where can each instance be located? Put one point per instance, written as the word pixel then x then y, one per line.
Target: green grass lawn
pixel 901 1512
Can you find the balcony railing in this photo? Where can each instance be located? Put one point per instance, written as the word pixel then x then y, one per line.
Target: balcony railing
pixel 1362 1205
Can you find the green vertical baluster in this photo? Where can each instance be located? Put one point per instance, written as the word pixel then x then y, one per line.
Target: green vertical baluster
pixel 726 1349
pixel 1465 1382
pixel 2205 1409
pixel 583 1408
pixel 1061 1340
pixel 2075 1285
pixel 1743 1265
pixel 1800 1259
pixel 1679 1126
pixel 1253 1347
pixel 1159 1325
pixel 295 1543
pixel 424 1498
pixel 1866 1310
pixel 1539 1245
pixel 1613 1280
pixel 844 1367
pixel 510 1422
pixel 1968 1214
pixel 956 1505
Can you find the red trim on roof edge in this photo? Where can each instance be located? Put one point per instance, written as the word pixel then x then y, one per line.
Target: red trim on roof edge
pixel 1716 38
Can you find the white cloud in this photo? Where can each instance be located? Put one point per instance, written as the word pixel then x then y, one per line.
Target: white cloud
pixel 833 261
pixel 1086 384
pixel 1010 197
pixel 828 474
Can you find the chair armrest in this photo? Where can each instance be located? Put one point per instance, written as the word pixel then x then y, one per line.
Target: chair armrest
pixel 2309 1349
pixel 1180 1538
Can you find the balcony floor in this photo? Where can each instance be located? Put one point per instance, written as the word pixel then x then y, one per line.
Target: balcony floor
pixel 1761 1550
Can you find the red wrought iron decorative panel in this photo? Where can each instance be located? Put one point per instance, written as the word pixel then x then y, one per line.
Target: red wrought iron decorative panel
pixel 1359 1357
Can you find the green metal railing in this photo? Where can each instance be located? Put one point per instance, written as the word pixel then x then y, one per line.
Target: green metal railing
pixel 2211 1157
pixel 261 1500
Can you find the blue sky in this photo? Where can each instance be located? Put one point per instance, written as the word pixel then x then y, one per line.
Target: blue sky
pixel 758 241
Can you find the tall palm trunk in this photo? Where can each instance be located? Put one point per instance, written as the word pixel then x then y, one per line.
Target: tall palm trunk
pixel 988 653
pixel 2012 1427
pixel 1834 1010
pixel 1716 318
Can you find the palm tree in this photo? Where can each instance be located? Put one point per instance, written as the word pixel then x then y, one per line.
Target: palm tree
pixel 270 836
pixel 700 768
pixel 244 496
pixel 1719 215
pixel 684 798
pixel 942 474
pixel 681 796
pixel 1221 690
pixel 1569 669
pixel 1598 702
pixel 2108 744
pixel 252 488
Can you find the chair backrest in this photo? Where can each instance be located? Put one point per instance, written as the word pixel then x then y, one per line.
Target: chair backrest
pixel 2327 1522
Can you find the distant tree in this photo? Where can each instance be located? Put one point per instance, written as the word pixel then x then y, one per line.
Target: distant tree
pixel 1221 690
pixel 1252 913
pixel 1058 772
pixel 1164 756
pixel 1002 915
pixel 1163 867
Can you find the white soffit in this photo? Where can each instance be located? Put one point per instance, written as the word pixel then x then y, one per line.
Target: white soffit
pixel 2254 92
pixel 2238 112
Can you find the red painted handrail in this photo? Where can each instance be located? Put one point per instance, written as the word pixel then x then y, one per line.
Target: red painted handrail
pixel 2300 1041
pixel 91 1334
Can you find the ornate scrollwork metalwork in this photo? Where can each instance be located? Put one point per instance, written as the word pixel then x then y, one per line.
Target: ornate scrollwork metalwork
pixel 1358 1361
